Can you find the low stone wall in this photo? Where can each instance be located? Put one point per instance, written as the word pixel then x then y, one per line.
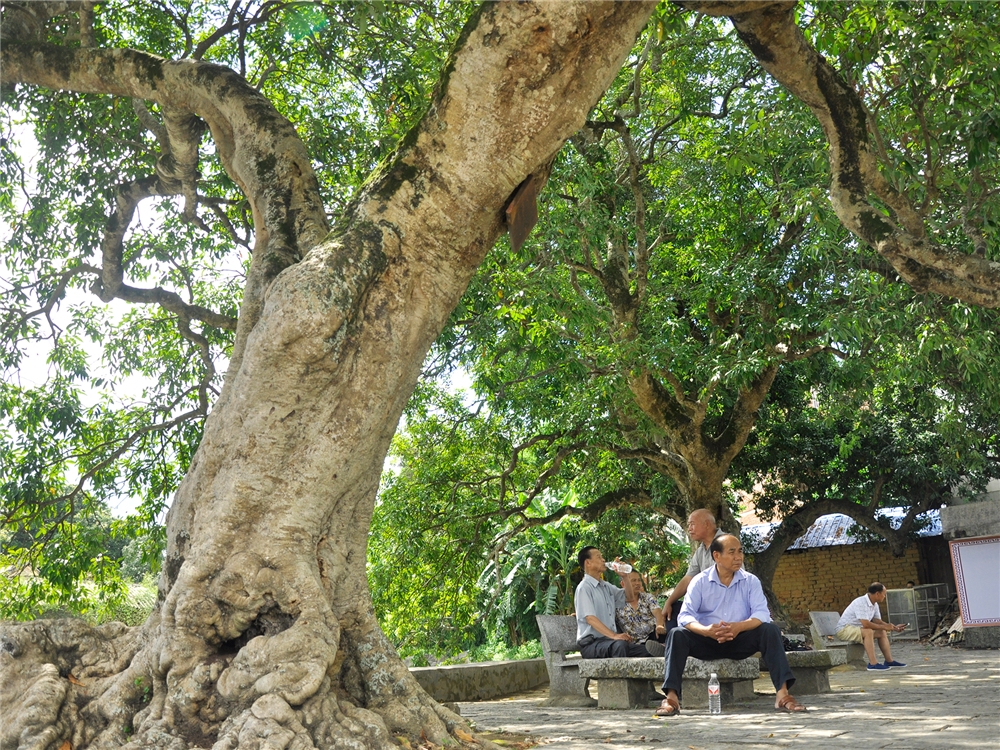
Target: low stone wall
pixel 481 681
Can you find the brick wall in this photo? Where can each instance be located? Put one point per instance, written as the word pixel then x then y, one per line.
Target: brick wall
pixel 827 579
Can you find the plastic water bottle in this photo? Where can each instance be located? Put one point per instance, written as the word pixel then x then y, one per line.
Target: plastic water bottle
pixel 714 695
pixel 619 567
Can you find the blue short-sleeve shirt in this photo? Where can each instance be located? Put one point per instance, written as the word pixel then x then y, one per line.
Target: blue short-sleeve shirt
pixel 598 598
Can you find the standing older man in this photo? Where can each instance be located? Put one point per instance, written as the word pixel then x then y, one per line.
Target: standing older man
pixel 596 600
pixel 702 530
pixel 725 616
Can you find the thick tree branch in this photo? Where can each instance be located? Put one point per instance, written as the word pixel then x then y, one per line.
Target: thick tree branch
pixel 258 147
pixel 26 20
pixel 744 413
pixel 671 413
pixel 770 32
pixel 797 523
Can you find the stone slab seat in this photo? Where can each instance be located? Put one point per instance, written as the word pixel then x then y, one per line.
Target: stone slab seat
pixel 625 682
pixel 566 686
pixel 810 668
pixel 824 635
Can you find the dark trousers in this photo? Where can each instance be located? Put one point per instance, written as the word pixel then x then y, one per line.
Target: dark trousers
pixel 672 622
pixel 599 647
pixel 766 638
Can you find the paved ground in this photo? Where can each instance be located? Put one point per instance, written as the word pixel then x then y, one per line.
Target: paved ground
pixel 945 698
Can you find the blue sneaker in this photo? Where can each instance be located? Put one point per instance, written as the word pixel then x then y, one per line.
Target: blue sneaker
pixel 878 667
pixel 894 664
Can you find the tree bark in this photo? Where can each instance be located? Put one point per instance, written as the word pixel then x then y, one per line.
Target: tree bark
pixel 695 459
pixel 264 635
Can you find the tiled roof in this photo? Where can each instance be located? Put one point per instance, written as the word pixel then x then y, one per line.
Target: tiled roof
pixel 833 529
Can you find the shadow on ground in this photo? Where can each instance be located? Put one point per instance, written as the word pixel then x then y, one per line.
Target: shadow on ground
pixel 944 698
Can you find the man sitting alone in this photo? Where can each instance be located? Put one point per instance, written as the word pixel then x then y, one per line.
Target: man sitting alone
pixel 725 616
pixel 861 620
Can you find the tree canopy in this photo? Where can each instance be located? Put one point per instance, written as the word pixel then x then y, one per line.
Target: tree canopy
pixel 687 264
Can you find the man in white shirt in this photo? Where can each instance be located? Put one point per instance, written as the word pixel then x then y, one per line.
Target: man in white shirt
pixel 862 620
pixel 702 530
pixel 596 600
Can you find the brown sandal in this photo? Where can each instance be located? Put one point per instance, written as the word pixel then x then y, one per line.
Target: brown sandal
pixel 789 704
pixel 669 707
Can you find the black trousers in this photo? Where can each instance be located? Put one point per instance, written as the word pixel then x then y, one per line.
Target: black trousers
pixel 766 638
pixel 672 622
pixel 599 647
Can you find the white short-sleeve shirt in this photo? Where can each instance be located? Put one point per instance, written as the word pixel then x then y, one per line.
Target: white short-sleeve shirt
pixel 860 609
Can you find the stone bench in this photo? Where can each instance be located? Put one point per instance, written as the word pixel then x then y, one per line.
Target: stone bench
pixel 810 668
pixel 480 681
pixel 824 636
pixel 625 682
pixel 566 686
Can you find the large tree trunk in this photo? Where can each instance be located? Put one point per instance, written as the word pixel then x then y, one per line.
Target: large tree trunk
pixel 697 459
pixel 265 634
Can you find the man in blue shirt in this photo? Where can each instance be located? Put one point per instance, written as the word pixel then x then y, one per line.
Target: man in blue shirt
pixel 596 600
pixel 725 616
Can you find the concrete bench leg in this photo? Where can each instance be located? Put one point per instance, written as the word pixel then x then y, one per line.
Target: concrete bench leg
pixel 810 681
pixel 856 656
pixel 568 689
pixel 695 692
pixel 623 693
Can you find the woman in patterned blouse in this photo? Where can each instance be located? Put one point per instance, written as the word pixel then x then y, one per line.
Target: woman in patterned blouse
pixel 641 618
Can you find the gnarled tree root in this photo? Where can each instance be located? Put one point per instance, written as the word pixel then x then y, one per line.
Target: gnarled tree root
pixel 65 684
